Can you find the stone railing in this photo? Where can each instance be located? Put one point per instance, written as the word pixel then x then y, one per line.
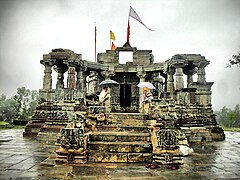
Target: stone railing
pixel 60 95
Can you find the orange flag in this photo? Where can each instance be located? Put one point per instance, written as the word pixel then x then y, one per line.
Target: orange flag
pixel 113 47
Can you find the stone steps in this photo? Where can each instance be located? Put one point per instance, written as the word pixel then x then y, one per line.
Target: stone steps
pixel 126 139
pixel 137 116
pixel 120 128
pixel 96 156
pixel 119 136
pixel 195 134
pixel 52 128
pixel 133 122
pixel 48 138
pixel 32 129
pixel 129 119
pixel 38 120
pixel 121 147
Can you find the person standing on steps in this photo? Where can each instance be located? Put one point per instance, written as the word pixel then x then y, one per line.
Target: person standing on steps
pixel 147 97
pixel 104 98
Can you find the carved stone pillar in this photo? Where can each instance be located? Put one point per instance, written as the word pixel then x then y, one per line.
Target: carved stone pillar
pixel 189 78
pixel 141 76
pixel 47 79
pixel 60 78
pixel 71 81
pixel 60 69
pixel 179 82
pixel 170 81
pixel 81 85
pixel 201 72
pixel 190 74
pixel 160 87
pixel 81 79
pixel 158 83
pixel 179 78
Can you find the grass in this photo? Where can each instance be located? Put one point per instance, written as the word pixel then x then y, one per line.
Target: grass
pixel 5 125
pixel 231 129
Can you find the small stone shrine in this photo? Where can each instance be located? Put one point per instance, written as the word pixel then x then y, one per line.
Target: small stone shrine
pixel 86 130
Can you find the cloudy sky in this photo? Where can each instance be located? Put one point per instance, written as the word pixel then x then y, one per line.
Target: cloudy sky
pixel 31 28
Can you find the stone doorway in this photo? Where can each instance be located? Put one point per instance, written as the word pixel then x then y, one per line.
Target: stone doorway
pixel 125 95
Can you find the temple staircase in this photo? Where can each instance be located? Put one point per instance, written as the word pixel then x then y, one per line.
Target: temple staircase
pixel 125 137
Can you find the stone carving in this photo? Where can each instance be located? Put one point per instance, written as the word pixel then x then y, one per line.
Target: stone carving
pixel 72 138
pixel 178 115
pixel 167 139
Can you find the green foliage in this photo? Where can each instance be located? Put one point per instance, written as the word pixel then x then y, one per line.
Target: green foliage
pixel 229 118
pixel 235 60
pixel 231 129
pixel 19 107
pixel 5 125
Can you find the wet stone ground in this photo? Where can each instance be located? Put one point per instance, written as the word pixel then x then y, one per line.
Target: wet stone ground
pixel 24 158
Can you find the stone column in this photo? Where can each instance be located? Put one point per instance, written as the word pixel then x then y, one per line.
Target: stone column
pixel 71 81
pixel 60 78
pixel 190 74
pixel 170 81
pixel 201 71
pixel 80 85
pixel 160 87
pixel 179 78
pixel 179 82
pixel 47 79
pixel 158 83
pixel 141 76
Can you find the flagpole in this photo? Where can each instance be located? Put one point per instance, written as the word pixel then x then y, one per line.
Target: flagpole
pixel 110 40
pixel 95 56
pixel 129 13
pixel 95 42
pixel 128 29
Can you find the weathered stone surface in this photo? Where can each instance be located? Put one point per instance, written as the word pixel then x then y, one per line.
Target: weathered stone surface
pixel 121 130
pixel 24 158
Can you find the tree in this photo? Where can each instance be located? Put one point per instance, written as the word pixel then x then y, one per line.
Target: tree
pixel 26 102
pixel 8 110
pixel 237 114
pixel 235 60
pixel 19 107
pixel 222 116
pixel 230 118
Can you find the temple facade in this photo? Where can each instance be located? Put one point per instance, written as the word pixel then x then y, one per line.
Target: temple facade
pixel 86 131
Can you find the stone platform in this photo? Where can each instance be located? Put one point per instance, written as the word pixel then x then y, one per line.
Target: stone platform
pixel 25 158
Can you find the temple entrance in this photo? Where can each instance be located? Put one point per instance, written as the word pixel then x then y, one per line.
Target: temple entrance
pixel 125 95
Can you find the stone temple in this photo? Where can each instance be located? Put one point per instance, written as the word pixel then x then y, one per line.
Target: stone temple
pixel 85 131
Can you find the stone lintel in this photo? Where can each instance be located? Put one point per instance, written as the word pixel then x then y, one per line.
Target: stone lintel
pixel 201 85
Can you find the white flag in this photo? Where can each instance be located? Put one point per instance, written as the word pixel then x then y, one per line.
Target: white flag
pixel 134 15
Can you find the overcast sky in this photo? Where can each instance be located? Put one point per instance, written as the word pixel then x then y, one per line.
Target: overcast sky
pixel 31 28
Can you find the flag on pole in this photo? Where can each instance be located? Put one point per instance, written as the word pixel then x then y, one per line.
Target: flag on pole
pixel 112 36
pixel 113 47
pixel 128 33
pixel 134 15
